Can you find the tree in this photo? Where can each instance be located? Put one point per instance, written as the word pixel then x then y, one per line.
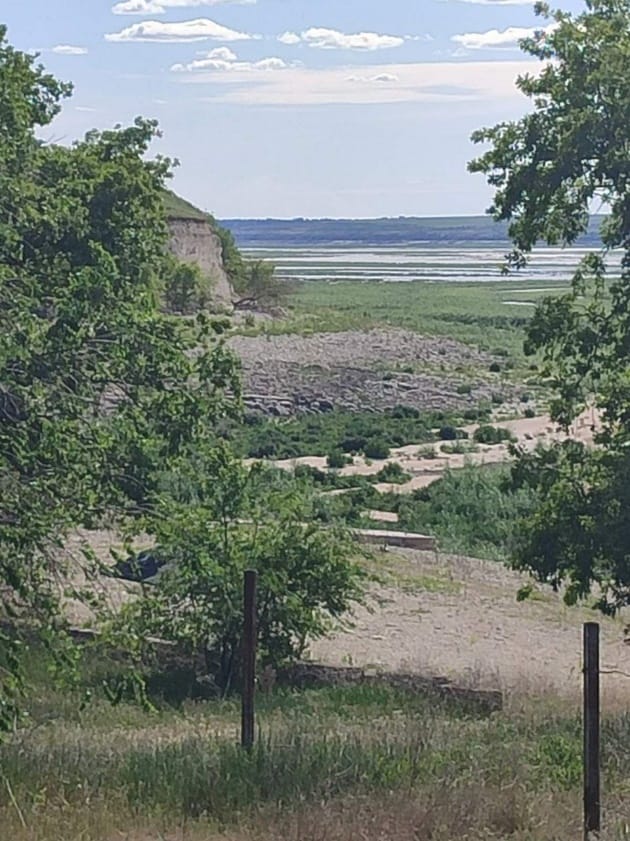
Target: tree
pixel 569 154
pixel 216 519
pixel 99 392
pixel 186 289
pixel 258 285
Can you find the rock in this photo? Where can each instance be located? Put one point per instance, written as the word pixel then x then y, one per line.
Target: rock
pixel 323 372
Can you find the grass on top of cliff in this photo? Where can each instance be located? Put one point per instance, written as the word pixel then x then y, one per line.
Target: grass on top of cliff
pixel 491 316
pixel 178 208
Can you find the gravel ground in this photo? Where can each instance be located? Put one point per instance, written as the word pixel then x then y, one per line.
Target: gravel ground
pixel 359 371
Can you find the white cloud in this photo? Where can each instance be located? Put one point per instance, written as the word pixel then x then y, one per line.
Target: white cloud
pixel 331 39
pixel 494 38
pixel 67 49
pixel 381 78
pixel 461 82
pixel 289 38
pixel 202 29
pixel 85 109
pixel 159 7
pixel 224 60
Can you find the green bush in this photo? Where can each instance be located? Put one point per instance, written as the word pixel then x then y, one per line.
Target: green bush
pixel 336 460
pixel 376 448
pixel 392 472
pixel 488 434
pixel 474 511
pixel 447 433
pixel 451 433
pixel 186 289
pixel 353 444
pixel 405 412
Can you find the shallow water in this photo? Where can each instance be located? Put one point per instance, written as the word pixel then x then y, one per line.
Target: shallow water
pixel 420 263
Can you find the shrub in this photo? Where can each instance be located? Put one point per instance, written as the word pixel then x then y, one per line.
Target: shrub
pixel 464 388
pixel 405 412
pixel 458 448
pixel 451 433
pixel 474 510
pixel 530 413
pixel 186 288
pixel 353 444
pixel 336 460
pixel 376 448
pixel 447 433
pixel 495 367
pixel 488 434
pixel 394 473
pixel 497 398
pixel 473 414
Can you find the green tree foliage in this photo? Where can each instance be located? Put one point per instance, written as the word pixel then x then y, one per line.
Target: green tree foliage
pixel 98 391
pixel 186 289
pixel 219 518
pixel 258 285
pixel 488 434
pixel 474 510
pixel 570 153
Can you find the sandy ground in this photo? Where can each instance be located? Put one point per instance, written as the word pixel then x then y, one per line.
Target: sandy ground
pixel 529 432
pixel 438 614
pixel 459 617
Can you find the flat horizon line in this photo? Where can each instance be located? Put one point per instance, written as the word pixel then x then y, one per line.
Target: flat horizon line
pixel 367 218
pixel 353 218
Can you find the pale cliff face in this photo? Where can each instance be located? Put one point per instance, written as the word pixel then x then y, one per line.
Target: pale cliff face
pixel 194 241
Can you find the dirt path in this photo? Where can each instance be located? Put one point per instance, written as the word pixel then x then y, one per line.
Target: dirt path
pixel 459 617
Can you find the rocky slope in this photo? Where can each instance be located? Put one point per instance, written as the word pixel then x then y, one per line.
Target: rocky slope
pixel 357 371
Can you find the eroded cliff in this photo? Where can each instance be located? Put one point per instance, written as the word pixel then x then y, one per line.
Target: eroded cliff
pixel 194 241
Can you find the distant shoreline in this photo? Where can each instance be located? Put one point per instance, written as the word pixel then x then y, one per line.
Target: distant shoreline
pixel 401 231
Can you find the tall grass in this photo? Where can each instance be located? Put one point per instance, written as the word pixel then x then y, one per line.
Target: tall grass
pixel 315 747
pixel 474 313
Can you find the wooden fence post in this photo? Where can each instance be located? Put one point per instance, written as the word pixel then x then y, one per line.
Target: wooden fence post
pixel 592 783
pixel 249 660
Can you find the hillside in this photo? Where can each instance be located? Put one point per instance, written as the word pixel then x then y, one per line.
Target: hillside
pixel 278 233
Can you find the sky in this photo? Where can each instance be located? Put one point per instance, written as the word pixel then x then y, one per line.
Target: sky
pixel 294 108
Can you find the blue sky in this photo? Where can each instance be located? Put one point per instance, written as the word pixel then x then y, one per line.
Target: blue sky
pixel 293 107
